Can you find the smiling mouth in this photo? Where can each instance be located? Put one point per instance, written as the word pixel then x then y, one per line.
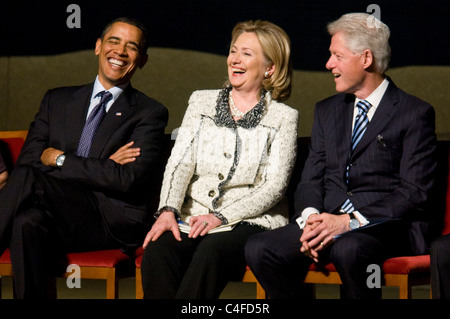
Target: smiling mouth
pixel 116 63
pixel 238 71
pixel 336 75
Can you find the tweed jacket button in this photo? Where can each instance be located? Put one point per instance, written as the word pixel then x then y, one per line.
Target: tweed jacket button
pixel 211 193
pixel 227 155
pixel 220 176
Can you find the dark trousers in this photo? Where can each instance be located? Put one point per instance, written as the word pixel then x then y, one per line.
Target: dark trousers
pixel 42 218
pixel 194 268
pixel 275 259
pixel 440 267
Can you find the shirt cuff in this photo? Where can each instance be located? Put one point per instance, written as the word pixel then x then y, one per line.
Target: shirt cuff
pixel 301 221
pixel 362 220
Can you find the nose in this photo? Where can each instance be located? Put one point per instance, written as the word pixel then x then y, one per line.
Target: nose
pixel 234 58
pixel 330 63
pixel 121 49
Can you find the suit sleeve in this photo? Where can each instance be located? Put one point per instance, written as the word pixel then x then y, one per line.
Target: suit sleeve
pixel 416 172
pixel 309 192
pixel 105 174
pixel 38 138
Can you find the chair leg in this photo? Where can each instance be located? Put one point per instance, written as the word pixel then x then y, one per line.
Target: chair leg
pixel 139 290
pixel 404 291
pixel 260 292
pixel 112 289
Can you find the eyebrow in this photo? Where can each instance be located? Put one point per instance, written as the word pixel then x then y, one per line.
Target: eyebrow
pixel 243 48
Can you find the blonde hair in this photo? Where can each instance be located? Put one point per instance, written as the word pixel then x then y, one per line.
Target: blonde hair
pixel 363 31
pixel 276 46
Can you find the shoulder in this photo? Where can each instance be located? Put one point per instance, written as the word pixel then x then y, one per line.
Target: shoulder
pixel 142 103
pixel 203 101
pixel 66 91
pixel 275 106
pixel 411 101
pixel 204 95
pixel 279 113
pixel 337 99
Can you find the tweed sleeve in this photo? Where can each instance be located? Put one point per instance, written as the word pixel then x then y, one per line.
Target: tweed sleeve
pixel 181 163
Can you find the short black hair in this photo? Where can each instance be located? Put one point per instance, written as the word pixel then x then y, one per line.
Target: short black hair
pixel 134 22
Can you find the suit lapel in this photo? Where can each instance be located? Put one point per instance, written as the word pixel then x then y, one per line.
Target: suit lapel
pixel 381 118
pixel 75 116
pixel 118 112
pixel 344 118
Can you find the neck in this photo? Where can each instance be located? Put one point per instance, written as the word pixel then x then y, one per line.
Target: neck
pixel 370 84
pixel 245 100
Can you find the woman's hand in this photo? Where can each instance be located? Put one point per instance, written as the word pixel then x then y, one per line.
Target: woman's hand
pixel 165 222
pixel 200 225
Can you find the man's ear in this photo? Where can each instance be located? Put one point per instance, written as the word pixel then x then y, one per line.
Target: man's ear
pixel 367 59
pixel 98 45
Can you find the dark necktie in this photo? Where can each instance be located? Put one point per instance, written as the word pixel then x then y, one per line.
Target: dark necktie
pixel 361 122
pixel 92 124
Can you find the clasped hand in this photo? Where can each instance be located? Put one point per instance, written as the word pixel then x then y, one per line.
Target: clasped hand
pixel 319 232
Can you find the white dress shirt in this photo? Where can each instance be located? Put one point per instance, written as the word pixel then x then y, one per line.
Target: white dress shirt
pixel 98 87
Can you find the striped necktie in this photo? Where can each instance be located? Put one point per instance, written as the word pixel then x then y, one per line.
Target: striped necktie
pixel 92 124
pixel 361 122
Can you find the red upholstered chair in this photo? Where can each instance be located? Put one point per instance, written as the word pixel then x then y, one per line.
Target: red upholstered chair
pixel 12 142
pixel 5 267
pixel 250 277
pixel 138 262
pixel 109 265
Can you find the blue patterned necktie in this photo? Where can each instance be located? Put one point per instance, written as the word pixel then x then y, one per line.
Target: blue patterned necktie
pixel 360 127
pixel 361 122
pixel 92 124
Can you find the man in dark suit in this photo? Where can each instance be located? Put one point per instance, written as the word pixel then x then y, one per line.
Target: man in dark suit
pixel 365 184
pixel 66 195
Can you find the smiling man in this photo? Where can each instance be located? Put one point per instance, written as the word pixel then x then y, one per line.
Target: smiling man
pixel 83 178
pixel 365 185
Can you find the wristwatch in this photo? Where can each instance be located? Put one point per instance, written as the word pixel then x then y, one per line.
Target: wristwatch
pixel 354 223
pixel 60 160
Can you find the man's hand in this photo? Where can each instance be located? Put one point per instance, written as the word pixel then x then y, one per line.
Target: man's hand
pixel 165 222
pixel 49 155
pixel 320 231
pixel 126 154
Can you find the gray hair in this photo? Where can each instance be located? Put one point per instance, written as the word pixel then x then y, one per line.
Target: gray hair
pixel 363 31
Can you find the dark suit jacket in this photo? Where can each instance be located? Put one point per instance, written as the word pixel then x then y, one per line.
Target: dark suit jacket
pixel 392 167
pixel 123 191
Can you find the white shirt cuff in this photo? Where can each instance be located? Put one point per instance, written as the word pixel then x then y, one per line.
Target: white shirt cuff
pixel 301 221
pixel 362 220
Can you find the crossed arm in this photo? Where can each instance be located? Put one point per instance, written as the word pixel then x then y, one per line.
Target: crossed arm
pixel 124 155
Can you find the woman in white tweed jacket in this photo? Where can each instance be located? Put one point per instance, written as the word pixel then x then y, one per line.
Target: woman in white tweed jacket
pixel 228 171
